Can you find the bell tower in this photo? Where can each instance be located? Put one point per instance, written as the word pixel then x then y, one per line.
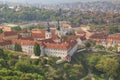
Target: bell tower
pixel 58 30
pixel 48 32
pixel 58 26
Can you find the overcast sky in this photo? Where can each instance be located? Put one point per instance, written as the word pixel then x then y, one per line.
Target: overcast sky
pixel 48 1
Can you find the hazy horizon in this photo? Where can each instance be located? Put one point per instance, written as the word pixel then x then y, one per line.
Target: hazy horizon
pixel 48 1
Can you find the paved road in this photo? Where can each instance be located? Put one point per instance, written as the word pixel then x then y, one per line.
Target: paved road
pixel 81 50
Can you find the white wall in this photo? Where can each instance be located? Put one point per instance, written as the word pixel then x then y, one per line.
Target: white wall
pixel 28 48
pixel 6 46
pixel 48 51
pixel 72 50
pixel 60 53
pixel 48 35
pixel 55 52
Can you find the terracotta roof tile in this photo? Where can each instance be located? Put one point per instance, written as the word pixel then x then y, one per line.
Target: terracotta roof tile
pixel 81 32
pixel 54 37
pixel 23 31
pixel 1 37
pixel 61 46
pixel 4 43
pixel 9 33
pixel 38 35
pixel 99 36
pixel 113 38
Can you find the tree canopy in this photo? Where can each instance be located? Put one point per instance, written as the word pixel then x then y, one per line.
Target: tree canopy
pixel 108 65
pixel 37 49
pixel 1 31
pixel 18 47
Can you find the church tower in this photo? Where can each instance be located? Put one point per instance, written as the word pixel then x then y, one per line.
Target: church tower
pixel 58 30
pixel 58 26
pixel 48 33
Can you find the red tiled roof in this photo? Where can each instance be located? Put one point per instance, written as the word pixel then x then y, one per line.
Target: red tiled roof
pixel 1 37
pixel 26 38
pixel 4 43
pixel 61 46
pixel 99 36
pixel 82 37
pixel 19 36
pixel 54 37
pixel 72 37
pixel 38 31
pixel 26 42
pixel 23 31
pixel 9 33
pixel 38 35
pixel 47 40
pixel 81 32
pixel 113 38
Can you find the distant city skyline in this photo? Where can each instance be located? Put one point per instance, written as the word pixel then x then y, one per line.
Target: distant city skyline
pixel 48 1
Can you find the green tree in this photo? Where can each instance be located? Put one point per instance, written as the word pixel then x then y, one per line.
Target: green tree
pixel 117 77
pixel 1 53
pixel 110 48
pixel 109 66
pixel 1 31
pixel 87 45
pixel 16 29
pixel 37 49
pixel 18 47
pixel 100 47
pixel 93 59
pixel 116 47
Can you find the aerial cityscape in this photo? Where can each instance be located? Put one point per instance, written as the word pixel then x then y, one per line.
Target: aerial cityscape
pixel 59 40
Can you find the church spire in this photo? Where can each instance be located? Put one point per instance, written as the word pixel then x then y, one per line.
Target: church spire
pixel 58 26
pixel 48 27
